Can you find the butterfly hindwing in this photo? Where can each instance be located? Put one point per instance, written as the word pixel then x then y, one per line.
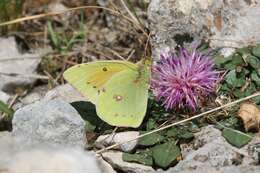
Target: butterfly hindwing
pixel 124 99
pixel 89 78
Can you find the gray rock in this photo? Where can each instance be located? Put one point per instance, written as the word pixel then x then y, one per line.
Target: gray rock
pixel 53 160
pixel 4 97
pixel 213 154
pixel 47 158
pixel 110 139
pixel 115 159
pixel 227 169
pixel 252 150
pixel 65 92
pixel 223 23
pixel 106 167
pixel 7 148
pixel 240 169
pixel 227 51
pixel 212 150
pixel 53 122
pixel 36 94
pixel 13 62
pixel 207 135
pixel 102 2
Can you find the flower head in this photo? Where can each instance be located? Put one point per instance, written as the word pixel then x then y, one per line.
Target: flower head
pixel 180 80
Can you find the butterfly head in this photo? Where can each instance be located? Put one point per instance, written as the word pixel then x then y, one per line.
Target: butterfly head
pixel 145 62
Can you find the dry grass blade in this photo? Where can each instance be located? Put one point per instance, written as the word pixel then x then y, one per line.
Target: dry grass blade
pixel 129 12
pixel 25 75
pixel 182 121
pixel 74 9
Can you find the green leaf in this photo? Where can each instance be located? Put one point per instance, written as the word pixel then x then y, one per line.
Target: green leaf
pixel 236 138
pixel 238 93
pixel 233 61
pixel 254 62
pixel 4 108
pixel 53 35
pixel 244 52
pixel 232 79
pixel 165 154
pixel 256 50
pixel 180 133
pixel 151 124
pixel 144 157
pixel 220 60
pixel 173 132
pixel 151 139
pixel 231 122
pixel 225 88
pixel 229 66
pixel 186 135
pixel 254 76
pixel 256 100
pixel 237 59
pixel 250 89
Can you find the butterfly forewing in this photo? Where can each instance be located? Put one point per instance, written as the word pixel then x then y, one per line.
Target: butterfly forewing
pixel 89 78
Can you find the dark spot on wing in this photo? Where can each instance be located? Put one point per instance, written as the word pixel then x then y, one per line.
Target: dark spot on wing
pixel 88 82
pixel 94 86
pixel 103 90
pixel 104 69
pixel 136 81
pixel 116 114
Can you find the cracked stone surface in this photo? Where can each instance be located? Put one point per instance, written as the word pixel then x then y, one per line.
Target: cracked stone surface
pixel 224 23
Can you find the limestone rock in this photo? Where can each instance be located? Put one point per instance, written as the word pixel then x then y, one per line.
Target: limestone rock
pixel 53 122
pixel 53 160
pixel 13 62
pixel 110 139
pixel 115 159
pixel 224 23
pixel 65 92
pixel 7 148
pixel 4 97
pixel 206 169
pixel 106 167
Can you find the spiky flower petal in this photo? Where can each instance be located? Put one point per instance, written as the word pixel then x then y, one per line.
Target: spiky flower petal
pixel 182 80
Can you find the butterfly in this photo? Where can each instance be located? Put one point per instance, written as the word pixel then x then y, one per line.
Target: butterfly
pixel 119 89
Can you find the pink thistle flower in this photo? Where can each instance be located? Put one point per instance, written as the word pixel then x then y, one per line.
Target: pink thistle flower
pixel 181 80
